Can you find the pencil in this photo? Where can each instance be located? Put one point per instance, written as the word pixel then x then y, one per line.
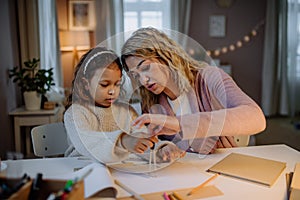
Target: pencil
pixel 203 184
pixel 166 197
pixel 177 196
pixel 129 190
pixel 84 175
pixel 171 197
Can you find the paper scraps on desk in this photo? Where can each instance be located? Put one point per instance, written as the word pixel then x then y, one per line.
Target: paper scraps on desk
pixel 139 163
pixel 99 182
pixel 176 178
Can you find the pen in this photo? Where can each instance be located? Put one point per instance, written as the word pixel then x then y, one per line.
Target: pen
pixel 126 188
pixel 203 184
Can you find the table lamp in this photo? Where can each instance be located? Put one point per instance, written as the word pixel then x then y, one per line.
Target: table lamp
pixel 74 41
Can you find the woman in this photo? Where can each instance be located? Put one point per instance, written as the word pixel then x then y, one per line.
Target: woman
pixel 197 106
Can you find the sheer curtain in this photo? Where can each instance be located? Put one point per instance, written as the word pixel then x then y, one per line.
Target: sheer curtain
pixel 38 34
pixel 280 59
pixel 180 15
pixel 294 55
pixel 109 17
pixel 49 42
pixel 28 29
pixel 180 20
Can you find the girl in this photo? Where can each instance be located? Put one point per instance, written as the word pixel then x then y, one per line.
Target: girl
pixel 194 103
pixel 96 123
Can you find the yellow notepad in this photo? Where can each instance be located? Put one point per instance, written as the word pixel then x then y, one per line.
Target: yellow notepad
pixel 255 169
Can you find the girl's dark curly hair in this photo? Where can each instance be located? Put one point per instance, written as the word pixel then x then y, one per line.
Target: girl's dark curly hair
pixel 94 59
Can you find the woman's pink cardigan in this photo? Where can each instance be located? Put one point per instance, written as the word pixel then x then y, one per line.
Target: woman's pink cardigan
pixel 219 108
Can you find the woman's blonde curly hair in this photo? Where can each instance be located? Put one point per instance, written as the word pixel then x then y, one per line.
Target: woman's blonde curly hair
pixel 151 43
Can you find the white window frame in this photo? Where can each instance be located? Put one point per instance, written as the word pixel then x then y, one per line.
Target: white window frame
pixel 140 6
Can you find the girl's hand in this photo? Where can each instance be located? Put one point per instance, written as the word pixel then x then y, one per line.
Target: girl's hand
pixel 137 145
pixel 158 124
pixel 170 152
pixel 140 132
pixel 158 130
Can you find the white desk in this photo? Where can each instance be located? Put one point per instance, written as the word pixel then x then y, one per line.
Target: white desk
pixel 23 117
pixel 232 188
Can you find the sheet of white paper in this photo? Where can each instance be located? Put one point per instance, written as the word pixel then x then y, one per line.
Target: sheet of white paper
pixel 176 176
pixel 99 178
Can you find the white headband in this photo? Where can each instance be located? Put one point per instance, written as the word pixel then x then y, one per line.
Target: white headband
pixel 91 58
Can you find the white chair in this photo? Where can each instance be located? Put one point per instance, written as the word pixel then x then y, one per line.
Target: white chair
pixel 49 140
pixel 242 140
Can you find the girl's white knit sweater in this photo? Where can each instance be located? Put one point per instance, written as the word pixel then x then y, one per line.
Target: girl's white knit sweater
pixel 95 131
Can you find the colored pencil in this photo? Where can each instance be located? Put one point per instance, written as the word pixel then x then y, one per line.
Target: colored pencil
pixel 129 190
pixel 203 184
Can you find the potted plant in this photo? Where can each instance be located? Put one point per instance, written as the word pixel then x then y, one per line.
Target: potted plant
pixel 34 82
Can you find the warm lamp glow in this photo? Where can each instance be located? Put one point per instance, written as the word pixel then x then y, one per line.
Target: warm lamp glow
pixel 74 41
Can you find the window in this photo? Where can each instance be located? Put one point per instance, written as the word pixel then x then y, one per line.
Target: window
pixel 143 13
pixel 298 47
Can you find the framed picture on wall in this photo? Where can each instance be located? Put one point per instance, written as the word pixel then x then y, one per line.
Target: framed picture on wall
pixel 81 15
pixel 217 26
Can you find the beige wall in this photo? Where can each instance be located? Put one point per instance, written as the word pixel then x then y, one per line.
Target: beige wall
pixel 241 18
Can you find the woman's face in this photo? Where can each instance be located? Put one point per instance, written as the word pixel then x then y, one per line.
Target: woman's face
pixel 150 73
pixel 105 85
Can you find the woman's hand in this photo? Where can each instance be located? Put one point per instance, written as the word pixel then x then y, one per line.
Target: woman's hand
pixel 226 142
pixel 170 152
pixel 208 145
pixel 158 124
pixel 137 145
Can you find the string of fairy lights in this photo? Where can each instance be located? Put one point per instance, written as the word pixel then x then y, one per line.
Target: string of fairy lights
pixel 238 44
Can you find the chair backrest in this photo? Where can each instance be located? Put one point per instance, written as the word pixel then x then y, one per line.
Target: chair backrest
pixel 242 140
pixel 49 139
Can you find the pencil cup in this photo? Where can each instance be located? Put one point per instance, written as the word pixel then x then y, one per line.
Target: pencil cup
pixel 17 189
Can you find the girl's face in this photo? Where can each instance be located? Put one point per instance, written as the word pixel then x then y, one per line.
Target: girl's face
pixel 150 73
pixel 105 85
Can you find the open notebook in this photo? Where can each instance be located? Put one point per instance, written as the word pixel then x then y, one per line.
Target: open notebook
pixel 255 169
pixel 98 183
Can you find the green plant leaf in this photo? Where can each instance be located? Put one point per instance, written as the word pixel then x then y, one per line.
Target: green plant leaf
pixel 30 78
